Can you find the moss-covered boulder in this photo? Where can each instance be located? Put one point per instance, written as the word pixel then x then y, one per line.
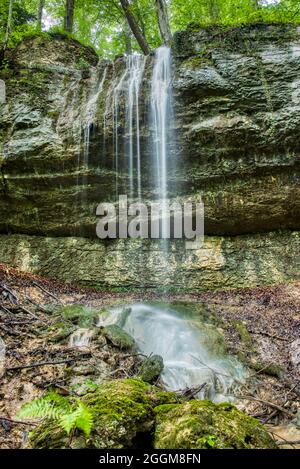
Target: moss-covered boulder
pixel 78 314
pixel 60 331
pixel 203 424
pixel 151 368
pixel 122 410
pixel 118 337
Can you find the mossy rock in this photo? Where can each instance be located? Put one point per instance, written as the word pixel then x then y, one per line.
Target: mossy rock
pixel 151 368
pixel 243 333
pixel 79 314
pixel 59 331
pixel 203 424
pixel 118 337
pixel 122 409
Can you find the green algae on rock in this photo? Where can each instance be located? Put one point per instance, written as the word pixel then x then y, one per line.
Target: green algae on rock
pixel 151 368
pixel 118 337
pixel 205 425
pixel 122 409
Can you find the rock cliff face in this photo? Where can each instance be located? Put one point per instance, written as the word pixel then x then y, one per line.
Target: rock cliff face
pixel 236 144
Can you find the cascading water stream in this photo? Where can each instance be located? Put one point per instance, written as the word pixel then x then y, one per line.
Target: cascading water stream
pixel 81 338
pixel 90 113
pixel 161 120
pixel 135 66
pixel 187 346
pixel 128 88
pixel 87 121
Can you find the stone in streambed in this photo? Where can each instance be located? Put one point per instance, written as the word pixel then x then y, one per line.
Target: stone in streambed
pixel 118 337
pixel 151 368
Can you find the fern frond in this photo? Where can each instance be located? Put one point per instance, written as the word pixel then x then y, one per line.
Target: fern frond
pixel 85 418
pixel 56 407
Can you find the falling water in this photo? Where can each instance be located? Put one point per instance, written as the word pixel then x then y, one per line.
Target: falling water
pixel 89 115
pixel 135 66
pixel 128 88
pixel 161 118
pixel 186 346
pixel 81 338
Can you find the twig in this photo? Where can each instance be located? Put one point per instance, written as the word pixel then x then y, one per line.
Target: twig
pixel 47 292
pixel 10 292
pixel 288 442
pixel 6 310
pixel 9 331
pixel 268 335
pixel 267 403
pixel 190 393
pixel 216 372
pixel 36 304
pixel 17 421
pixel 25 310
pixel 33 365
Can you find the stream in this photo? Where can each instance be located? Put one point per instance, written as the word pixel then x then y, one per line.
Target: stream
pixel 191 349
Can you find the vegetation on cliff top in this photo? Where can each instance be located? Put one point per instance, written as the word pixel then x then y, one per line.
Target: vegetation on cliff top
pixel 103 26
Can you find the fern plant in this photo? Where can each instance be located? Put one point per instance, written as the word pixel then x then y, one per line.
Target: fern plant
pixel 69 415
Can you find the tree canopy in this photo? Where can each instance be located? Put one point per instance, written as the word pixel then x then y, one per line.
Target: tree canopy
pixel 113 27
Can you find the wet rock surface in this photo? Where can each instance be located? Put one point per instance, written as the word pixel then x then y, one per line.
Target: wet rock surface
pixel 235 145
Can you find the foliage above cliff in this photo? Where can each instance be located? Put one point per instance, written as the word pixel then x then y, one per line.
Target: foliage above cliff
pixel 103 25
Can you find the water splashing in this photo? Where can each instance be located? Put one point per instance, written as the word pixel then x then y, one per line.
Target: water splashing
pixel 81 338
pixel 186 346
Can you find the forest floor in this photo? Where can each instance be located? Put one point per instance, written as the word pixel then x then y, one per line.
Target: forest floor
pixel 260 325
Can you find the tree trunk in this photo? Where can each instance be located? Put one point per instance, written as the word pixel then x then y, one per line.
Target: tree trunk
pixel 163 21
pixel 40 14
pixel 127 32
pixel 69 16
pixel 8 25
pixel 135 27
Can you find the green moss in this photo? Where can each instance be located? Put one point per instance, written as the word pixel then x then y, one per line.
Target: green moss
pixel 121 409
pixel 196 62
pixel 59 331
pixel 243 333
pixel 203 424
pixel 151 368
pixel 79 315
pixel 271 369
pixel 118 337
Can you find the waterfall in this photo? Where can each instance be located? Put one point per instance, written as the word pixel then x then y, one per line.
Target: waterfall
pixel 135 66
pixel 161 120
pixel 81 338
pixel 86 123
pixel 187 346
pixel 128 89
pixel 89 115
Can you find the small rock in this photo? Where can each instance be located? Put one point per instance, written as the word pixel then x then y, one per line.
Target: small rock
pixel 151 368
pixel 118 337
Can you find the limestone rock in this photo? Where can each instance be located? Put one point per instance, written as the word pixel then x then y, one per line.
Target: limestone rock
pixel 118 337
pixel 151 368
pixel 204 425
